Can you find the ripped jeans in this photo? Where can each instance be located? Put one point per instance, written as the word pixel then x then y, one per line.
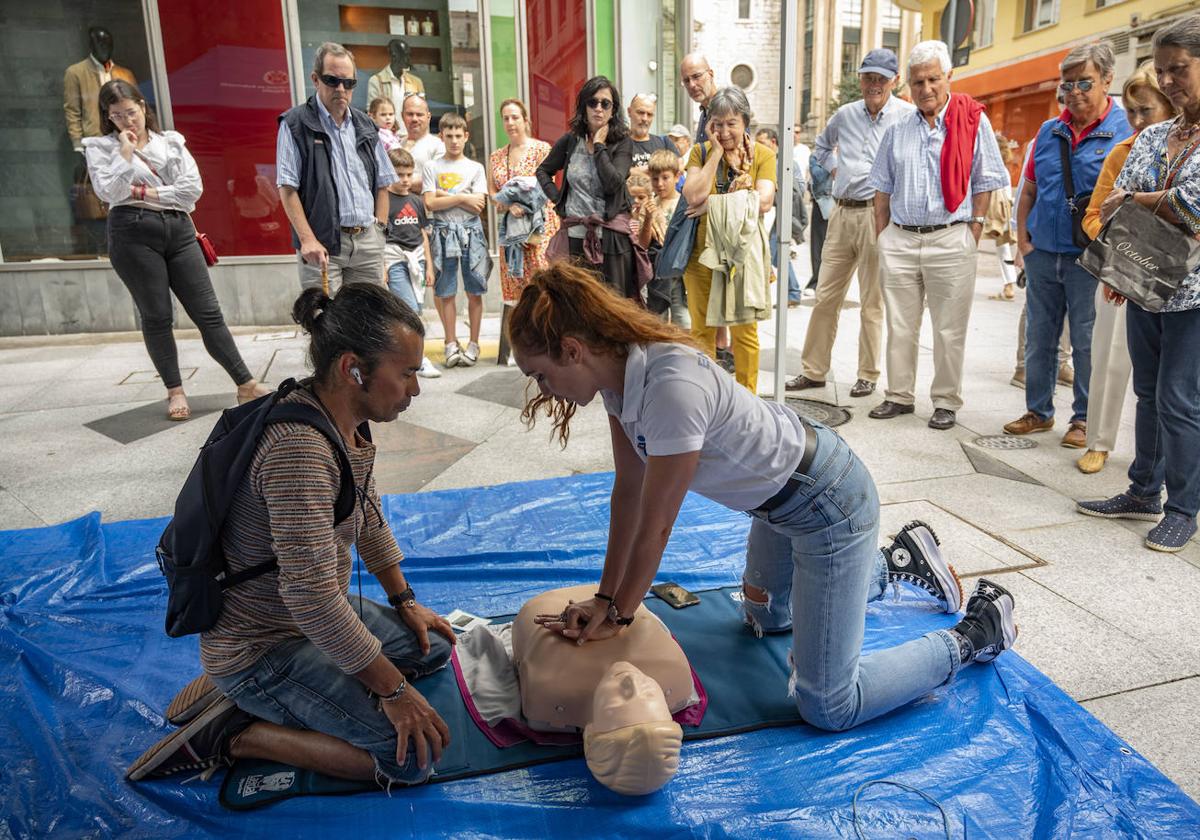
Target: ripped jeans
pixel 817 559
pixel 296 685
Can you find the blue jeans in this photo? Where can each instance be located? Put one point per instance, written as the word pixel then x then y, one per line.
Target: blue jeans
pixel 400 282
pixel 793 283
pixel 1057 288
pixel 296 685
pixel 816 556
pixel 1165 351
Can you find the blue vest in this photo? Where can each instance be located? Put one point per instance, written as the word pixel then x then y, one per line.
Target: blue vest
pixel 317 191
pixel 1049 222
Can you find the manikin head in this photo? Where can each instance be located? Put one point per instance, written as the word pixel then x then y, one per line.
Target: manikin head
pixel 398 56
pixel 632 745
pixel 102 43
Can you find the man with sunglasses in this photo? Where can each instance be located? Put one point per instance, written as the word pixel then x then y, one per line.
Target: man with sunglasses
pixel 696 76
pixel 1048 240
pixel 333 174
pixel 641 117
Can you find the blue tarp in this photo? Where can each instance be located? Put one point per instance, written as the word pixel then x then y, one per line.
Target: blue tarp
pixel 87 672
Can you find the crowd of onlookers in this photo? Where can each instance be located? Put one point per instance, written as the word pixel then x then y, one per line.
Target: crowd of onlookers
pixel 902 190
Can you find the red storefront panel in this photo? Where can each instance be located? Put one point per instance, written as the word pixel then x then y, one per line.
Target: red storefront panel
pixel 557 35
pixel 227 72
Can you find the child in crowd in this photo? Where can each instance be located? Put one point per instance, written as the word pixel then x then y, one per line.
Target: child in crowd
pixel 406 245
pixel 645 219
pixel 455 196
pixel 665 296
pixel 383 112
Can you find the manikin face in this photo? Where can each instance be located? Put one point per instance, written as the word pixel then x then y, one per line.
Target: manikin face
pixel 416 117
pixel 390 387
pixel 624 697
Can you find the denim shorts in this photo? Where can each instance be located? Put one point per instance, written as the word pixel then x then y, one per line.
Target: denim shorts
pixel 446 284
pixel 294 684
pixel 399 279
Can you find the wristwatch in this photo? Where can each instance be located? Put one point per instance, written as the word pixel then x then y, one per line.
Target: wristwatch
pixel 383 226
pixel 977 220
pixel 403 599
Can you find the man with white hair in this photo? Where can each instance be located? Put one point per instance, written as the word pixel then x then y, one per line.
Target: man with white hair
pixel 933 176
pixel 847 147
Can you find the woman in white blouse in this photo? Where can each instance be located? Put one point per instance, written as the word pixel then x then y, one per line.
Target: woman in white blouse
pixel 679 422
pixel 151 184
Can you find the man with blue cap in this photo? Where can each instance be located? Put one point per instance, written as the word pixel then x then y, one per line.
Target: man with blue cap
pixel 846 149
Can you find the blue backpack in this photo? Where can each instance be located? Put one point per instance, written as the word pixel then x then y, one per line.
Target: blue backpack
pixel 189 552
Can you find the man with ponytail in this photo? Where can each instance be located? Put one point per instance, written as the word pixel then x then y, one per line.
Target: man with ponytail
pixel 679 422
pixel 296 671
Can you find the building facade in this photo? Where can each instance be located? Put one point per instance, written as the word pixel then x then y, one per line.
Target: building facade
pixel 1016 47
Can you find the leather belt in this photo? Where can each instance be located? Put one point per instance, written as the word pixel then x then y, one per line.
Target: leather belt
pixel 135 209
pixel 854 202
pixel 928 228
pixel 356 230
pixel 793 484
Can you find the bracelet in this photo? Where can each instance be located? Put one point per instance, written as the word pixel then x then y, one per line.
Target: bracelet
pixel 616 618
pixel 395 695
pixel 608 598
pixel 403 599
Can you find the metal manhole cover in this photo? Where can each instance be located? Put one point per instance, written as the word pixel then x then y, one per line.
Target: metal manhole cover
pixel 829 415
pixel 1005 442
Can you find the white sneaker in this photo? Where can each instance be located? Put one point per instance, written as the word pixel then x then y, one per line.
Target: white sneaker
pixel 454 355
pixel 427 370
pixel 470 355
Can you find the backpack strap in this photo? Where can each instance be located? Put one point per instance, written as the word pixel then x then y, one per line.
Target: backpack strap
pixel 296 412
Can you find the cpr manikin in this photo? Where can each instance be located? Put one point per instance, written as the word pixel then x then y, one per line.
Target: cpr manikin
pixel 621 692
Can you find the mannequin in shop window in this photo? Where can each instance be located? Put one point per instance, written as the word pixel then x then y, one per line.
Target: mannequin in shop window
pixel 81 87
pixel 396 80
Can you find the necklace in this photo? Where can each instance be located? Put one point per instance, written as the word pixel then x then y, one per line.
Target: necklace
pixel 1186 133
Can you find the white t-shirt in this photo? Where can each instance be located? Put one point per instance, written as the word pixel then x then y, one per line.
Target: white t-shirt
pixel 456 177
pixel 800 158
pixel 424 150
pixel 678 400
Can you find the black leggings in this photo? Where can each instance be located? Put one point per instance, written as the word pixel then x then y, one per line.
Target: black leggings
pixel 154 254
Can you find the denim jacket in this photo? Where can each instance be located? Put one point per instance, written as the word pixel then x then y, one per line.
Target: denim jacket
pixel 460 240
pixel 514 232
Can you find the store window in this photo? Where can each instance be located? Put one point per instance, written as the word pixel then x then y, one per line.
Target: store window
pixel 419 46
pixel 54 63
pixel 1039 13
pixel 983 32
pixel 557 48
pixel 229 81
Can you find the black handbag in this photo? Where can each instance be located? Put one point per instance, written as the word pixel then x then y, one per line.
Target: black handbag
pixel 1077 203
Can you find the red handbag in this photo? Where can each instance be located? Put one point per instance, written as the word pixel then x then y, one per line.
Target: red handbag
pixel 206 247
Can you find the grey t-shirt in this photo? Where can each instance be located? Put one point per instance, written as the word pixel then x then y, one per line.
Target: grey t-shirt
pixel 456 177
pixel 585 195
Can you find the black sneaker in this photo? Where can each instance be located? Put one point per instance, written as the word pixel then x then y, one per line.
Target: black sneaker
pixel 915 556
pixel 988 624
pixel 200 745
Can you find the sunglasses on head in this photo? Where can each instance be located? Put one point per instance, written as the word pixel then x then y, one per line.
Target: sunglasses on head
pixel 602 104
pixel 335 81
pixel 1084 86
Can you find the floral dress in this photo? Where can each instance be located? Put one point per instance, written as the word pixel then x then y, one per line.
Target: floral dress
pixel 1146 170
pixel 531 157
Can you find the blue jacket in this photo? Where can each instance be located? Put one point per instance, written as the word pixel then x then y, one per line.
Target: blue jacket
pixel 1049 222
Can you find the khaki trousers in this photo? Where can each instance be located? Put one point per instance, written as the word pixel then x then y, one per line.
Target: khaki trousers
pixel 1111 369
pixel 361 261
pixel 743 338
pixel 939 269
pixel 849 245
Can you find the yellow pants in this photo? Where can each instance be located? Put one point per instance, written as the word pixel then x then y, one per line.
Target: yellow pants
pixel 744 338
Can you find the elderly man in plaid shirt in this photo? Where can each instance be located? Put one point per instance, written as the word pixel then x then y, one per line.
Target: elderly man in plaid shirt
pixel 933 175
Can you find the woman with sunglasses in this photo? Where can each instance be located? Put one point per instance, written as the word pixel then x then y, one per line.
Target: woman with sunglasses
pixel 151 184
pixel 594 157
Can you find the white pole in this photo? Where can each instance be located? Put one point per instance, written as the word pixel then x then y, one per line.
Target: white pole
pixel 783 195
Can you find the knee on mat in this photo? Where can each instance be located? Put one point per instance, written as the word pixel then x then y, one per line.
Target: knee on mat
pixel 820 712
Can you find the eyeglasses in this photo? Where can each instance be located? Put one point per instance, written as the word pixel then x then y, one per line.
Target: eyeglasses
pixel 123 116
pixel 334 81
pixel 1084 86
pixel 602 104
pixel 695 77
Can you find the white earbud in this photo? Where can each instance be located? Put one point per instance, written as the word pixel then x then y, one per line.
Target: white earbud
pixel 357 375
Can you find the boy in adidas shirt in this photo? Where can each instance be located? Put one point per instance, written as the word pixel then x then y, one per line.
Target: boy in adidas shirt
pixel 406 244
pixel 455 195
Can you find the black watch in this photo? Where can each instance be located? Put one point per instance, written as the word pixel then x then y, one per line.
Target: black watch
pixel 403 599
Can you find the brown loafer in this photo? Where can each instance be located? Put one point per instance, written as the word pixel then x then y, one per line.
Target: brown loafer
pixel 887 409
pixel 862 388
pixel 1092 461
pixel 1066 375
pixel 1076 436
pixel 802 383
pixel 1028 423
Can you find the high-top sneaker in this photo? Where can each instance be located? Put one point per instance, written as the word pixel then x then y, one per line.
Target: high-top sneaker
pixel 202 744
pixel 915 557
pixel 988 625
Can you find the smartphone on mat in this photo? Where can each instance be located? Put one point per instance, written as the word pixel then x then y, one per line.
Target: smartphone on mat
pixel 675 595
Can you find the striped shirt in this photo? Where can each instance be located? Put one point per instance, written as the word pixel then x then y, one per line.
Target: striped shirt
pixel 284 509
pixel 908 168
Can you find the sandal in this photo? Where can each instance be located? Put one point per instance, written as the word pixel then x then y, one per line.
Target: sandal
pixel 178 410
pixel 260 390
pixel 1008 291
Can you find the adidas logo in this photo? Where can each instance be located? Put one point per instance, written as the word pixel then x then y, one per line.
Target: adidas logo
pixel 407 216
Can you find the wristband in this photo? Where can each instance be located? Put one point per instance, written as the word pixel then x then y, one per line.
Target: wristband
pixel 608 598
pixel 403 599
pixel 395 695
pixel 616 618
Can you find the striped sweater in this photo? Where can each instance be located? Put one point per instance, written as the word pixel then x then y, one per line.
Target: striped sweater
pixel 284 509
